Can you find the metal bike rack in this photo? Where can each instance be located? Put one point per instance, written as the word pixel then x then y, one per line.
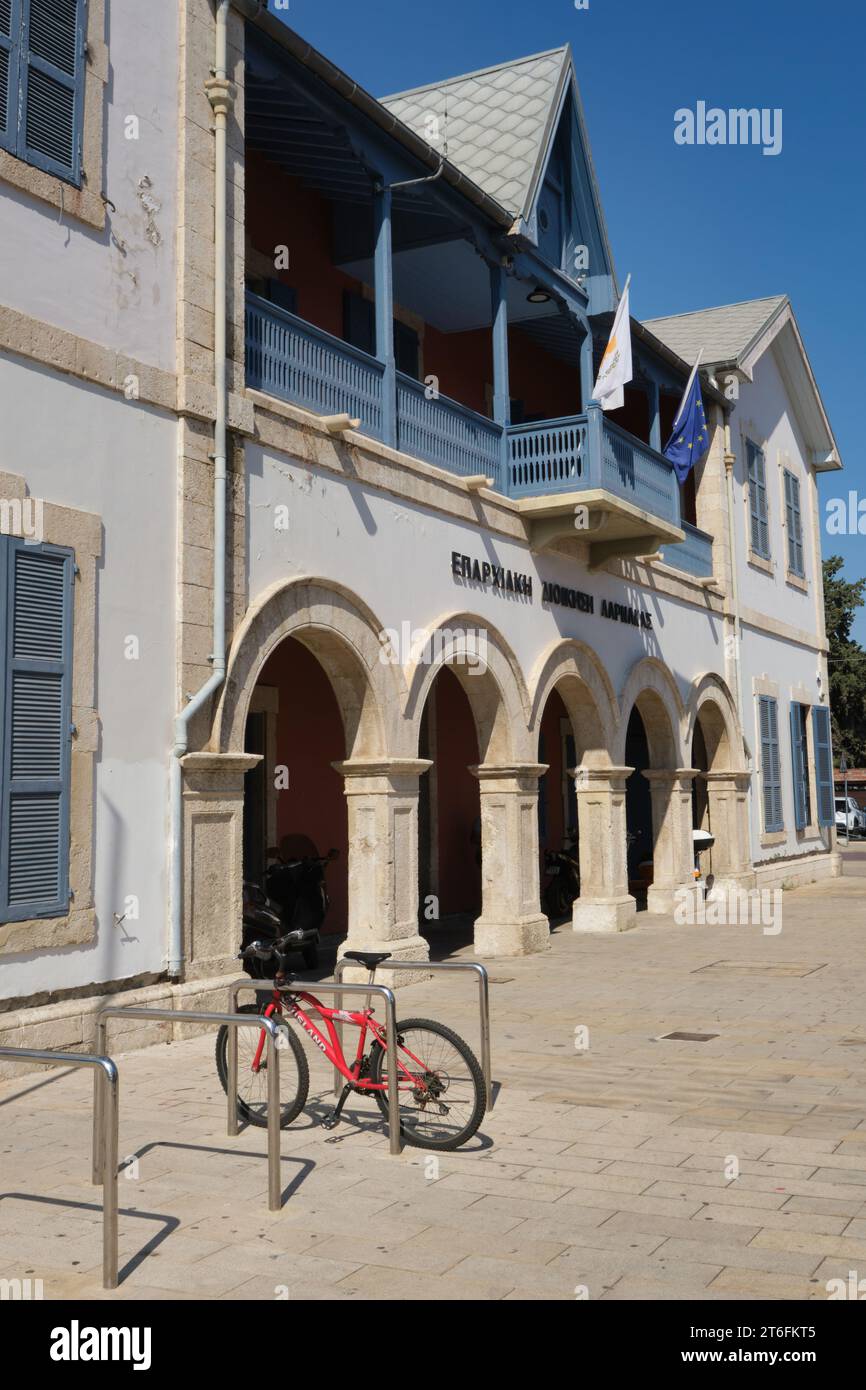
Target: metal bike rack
pixel 483 1000
pixel 233 1022
pixel 105 1169
pixel 395 1143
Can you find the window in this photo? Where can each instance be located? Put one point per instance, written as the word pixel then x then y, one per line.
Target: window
pixel 794 524
pixel 771 767
pixel 800 764
pixel 760 531
pixel 35 728
pixel 42 60
pixel 359 329
pixel 823 764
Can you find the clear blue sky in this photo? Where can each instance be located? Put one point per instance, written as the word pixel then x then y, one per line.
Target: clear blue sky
pixel 695 226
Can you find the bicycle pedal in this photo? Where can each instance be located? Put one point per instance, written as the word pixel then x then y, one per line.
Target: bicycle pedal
pixel 330 1121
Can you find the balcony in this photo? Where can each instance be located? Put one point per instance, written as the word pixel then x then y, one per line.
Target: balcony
pixel 577 477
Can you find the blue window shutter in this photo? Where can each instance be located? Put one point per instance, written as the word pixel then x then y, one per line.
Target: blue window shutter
pixel 51 75
pixel 771 769
pixel 754 514
pixel 758 501
pixel 799 768
pixel 823 765
pixel 37 731
pixel 794 524
pixel 10 31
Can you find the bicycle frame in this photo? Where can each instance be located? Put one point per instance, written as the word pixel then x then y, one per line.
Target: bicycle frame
pixel 332 1046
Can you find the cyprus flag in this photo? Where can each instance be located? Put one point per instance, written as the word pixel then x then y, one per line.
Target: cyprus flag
pixel 615 369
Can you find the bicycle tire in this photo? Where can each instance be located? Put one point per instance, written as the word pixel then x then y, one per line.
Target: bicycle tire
pixel 295 1103
pixel 479 1106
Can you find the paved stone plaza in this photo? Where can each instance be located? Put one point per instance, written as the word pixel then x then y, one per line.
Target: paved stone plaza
pixel 600 1173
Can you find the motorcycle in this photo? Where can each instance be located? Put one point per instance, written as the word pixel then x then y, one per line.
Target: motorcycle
pixel 563 867
pixel 292 904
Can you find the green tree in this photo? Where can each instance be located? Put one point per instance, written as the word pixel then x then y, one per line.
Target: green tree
pixel 847 661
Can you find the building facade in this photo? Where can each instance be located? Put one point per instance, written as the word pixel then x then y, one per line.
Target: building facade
pixel 334 541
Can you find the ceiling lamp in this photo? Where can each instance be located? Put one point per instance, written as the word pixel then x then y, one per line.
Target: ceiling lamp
pixel 538 296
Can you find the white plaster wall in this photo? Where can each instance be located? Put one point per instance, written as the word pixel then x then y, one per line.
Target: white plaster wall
pixel 764 415
pixel 794 670
pixel 114 286
pixel 86 448
pixel 397 558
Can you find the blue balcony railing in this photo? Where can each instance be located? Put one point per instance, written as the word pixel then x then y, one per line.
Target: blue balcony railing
pixel 694 555
pixel 443 432
pixel 297 362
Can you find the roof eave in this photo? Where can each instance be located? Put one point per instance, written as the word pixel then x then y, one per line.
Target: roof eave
pixel 363 101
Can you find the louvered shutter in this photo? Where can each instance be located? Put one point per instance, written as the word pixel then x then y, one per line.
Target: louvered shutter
pixel 823 765
pixel 794 524
pixel 52 82
pixel 771 768
pixel 754 507
pixel 36 723
pixel 10 29
pixel 798 764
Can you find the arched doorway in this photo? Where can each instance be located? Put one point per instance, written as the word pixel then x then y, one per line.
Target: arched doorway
pixel 449 817
pixel 294 796
pixel 557 809
pixel 640 838
pixel 721 785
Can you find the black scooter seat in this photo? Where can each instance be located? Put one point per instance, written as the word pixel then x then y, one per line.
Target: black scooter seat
pixel 369 958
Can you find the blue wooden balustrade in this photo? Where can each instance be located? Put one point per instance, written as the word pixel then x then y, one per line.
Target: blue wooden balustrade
pixel 297 362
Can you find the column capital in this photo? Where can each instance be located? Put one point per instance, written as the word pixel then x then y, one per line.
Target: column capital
pixel 217 772
pixel 728 779
pixel 670 774
pixel 508 772
pixel 395 771
pixel 600 778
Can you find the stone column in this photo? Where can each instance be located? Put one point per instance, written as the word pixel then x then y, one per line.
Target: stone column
pixel 382 800
pixel 728 801
pixel 604 903
pixel 511 921
pixel 213 836
pixel 673 852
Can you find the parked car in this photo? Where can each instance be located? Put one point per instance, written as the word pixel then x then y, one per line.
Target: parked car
pixel 850 819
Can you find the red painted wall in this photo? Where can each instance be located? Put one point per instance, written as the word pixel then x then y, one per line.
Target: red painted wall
pixel 309 738
pixel 280 211
pixel 459 799
pixel 551 788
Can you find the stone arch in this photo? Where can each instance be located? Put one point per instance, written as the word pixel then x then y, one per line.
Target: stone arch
pixel 651 689
pixel 495 687
pixel 344 635
pixel 573 669
pixel 710 702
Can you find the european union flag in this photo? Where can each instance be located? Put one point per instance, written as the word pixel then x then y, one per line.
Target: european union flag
pixel 691 437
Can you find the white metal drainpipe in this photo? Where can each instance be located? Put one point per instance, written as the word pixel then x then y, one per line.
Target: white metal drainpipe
pixel 220 96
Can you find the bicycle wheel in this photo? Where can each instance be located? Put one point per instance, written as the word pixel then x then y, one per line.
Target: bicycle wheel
pixel 447 1108
pixel 253 1086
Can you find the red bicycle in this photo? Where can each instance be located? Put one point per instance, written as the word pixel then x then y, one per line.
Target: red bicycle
pixel 442 1094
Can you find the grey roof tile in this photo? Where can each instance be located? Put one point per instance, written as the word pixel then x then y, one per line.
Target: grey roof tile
pixel 494 121
pixel 724 333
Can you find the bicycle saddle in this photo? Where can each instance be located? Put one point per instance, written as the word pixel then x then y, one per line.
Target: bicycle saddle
pixel 369 958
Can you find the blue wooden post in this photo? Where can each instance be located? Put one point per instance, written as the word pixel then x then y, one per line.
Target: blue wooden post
pixel 384 287
pixel 587 378
pixel 595 441
pixel 655 417
pixel 501 386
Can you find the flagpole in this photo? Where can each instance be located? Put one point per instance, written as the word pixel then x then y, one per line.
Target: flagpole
pixel 689 385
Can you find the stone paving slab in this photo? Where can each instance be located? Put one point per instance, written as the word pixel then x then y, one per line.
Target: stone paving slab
pixel 604 1173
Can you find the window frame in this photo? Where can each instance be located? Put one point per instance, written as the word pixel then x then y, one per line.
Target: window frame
pixel 21 63
pixel 771 764
pixel 794 524
pixel 759 506
pixel 59 907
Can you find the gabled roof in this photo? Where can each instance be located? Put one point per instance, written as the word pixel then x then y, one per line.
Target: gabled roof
pixel 496 123
pixel 734 337
pixel 725 333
